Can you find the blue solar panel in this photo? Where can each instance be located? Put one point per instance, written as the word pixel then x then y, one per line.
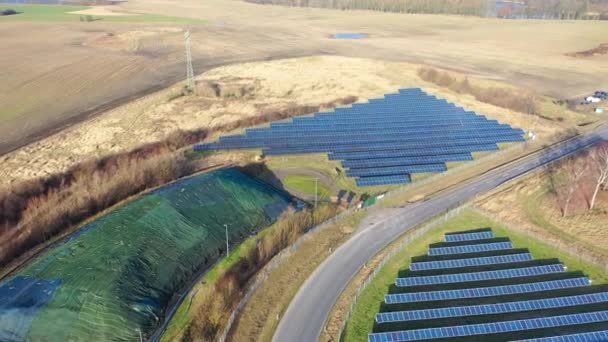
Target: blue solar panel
pixel 383 180
pixel 411 153
pixel 479 276
pixel 408 124
pixel 417 160
pixel 396 170
pixel 485 291
pixel 594 336
pixel 455 263
pixel 490 328
pixel 469 236
pixel 492 309
pixel 470 248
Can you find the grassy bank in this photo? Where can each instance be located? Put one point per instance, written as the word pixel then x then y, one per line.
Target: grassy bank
pixel 362 320
pixel 261 315
pixel 306 184
pixel 205 314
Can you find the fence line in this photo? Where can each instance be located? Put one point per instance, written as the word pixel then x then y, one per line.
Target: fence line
pixel 276 261
pixel 410 236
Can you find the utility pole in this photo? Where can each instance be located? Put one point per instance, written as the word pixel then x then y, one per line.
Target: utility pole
pixel 189 70
pixel 227 248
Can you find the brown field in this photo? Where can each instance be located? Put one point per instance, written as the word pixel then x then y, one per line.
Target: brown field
pixel 54 74
pixel 248 90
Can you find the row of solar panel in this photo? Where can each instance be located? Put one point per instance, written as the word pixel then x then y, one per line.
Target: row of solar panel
pixel 346 133
pixel 396 110
pixel 470 248
pixel 396 170
pixel 386 146
pixel 329 142
pixel 412 153
pixel 418 160
pixel 427 112
pixel 593 336
pixel 375 126
pixel 479 276
pixel 492 309
pixel 345 140
pixel 383 180
pixel 488 234
pixel 486 291
pixel 369 131
pixel 381 122
pixel 406 100
pixel 490 328
pixel 456 263
pixel 378 142
pixel 388 124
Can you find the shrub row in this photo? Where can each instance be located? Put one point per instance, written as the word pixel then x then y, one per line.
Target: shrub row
pixel 33 211
pixel 211 316
pixel 519 101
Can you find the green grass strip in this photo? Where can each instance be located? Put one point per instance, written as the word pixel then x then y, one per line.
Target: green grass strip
pixel 61 13
pixel 361 321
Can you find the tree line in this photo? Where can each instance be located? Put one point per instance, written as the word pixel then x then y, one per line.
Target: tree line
pixel 549 9
pixel 577 181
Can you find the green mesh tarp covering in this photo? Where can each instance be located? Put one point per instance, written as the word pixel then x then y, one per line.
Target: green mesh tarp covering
pixel 119 272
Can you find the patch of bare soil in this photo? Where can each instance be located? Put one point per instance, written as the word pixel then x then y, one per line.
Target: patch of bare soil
pixel 129 41
pixel 104 11
pixel 601 49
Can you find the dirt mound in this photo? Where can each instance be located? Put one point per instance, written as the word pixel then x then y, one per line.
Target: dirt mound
pixel 228 87
pixel 601 49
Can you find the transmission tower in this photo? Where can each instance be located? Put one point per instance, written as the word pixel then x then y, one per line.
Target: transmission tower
pixel 189 70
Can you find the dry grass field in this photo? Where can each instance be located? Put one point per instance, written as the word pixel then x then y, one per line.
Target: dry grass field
pixel 57 73
pixel 249 89
pixel 532 207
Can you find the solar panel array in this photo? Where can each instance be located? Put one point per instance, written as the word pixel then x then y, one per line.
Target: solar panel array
pixel 383 141
pixel 472 285
pixel 594 336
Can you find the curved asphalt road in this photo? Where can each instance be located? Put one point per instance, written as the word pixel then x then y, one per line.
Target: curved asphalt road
pixel 309 309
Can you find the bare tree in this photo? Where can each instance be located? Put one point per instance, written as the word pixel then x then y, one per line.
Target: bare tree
pixel 574 170
pixel 599 156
